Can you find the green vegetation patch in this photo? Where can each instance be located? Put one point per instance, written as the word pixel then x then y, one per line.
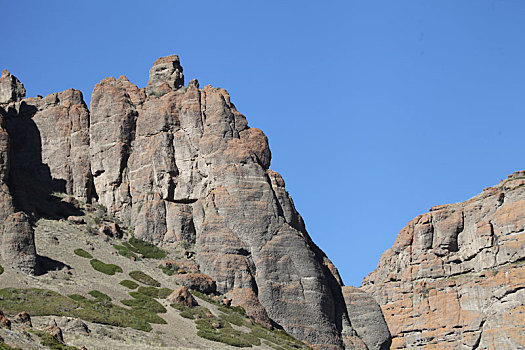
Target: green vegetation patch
pixel 146 249
pixel 1 270
pixel 192 312
pixel 144 302
pixel 169 270
pixel 108 269
pixel 81 252
pixel 78 297
pixel 125 251
pixel 158 293
pixel 220 329
pixel 4 346
pixel 99 295
pixel 40 302
pixel 129 284
pixel 51 342
pixel 144 278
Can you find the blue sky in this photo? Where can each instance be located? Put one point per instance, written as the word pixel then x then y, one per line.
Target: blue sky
pixel 375 110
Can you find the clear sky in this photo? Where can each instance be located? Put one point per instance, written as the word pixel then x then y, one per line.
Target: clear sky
pixel 375 110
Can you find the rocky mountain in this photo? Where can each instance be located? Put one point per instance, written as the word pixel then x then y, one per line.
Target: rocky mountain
pixel 176 166
pixel 455 277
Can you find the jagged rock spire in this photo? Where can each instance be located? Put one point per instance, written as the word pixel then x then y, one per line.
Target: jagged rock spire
pixel 11 89
pixel 165 75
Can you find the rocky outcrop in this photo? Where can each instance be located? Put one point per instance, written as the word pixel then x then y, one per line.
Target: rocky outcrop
pixel 367 319
pixel 198 282
pixel 18 243
pixel 455 276
pixel 182 296
pixel 179 165
pixel 11 89
pixel 17 247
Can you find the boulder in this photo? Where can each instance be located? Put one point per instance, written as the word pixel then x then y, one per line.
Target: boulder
pixel 197 281
pixel 55 331
pixel 111 230
pixel 24 317
pixel 74 326
pixel 182 296
pixel 77 220
pixel 4 322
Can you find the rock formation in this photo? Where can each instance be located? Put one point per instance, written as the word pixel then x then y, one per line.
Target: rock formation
pixel 367 318
pixel 17 236
pixel 455 277
pixel 180 165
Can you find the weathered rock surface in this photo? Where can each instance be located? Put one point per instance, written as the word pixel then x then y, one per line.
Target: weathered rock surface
pixel 367 318
pixel 18 243
pixel 11 89
pixel 25 318
pixel 182 165
pixel 183 296
pixel 179 166
pixel 197 281
pixel 455 276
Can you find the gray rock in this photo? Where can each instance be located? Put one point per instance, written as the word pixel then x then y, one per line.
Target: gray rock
pixel 74 325
pixel 165 75
pixel 367 319
pixel 11 89
pixel 18 243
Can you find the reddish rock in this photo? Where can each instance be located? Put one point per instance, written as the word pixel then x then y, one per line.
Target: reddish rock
pixel 111 230
pixel 197 281
pixel 4 322
pixel 182 296
pixel 24 317
pixel 55 331
pixel 454 277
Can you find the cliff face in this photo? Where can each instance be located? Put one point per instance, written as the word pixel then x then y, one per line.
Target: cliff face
pixel 180 165
pixel 455 276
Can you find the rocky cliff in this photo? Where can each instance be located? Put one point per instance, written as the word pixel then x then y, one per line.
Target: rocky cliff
pixel 177 165
pixel 455 277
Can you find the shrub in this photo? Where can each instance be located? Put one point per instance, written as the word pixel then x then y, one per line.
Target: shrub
pixel 129 284
pixel 78 297
pixel 41 302
pixel 81 252
pixel 143 278
pixel 193 312
pixel 1 270
pixel 205 297
pixel 4 346
pixel 99 295
pixel 108 269
pixel 144 302
pixel 169 270
pixel 125 251
pixel 51 342
pixel 146 249
pixel 159 293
